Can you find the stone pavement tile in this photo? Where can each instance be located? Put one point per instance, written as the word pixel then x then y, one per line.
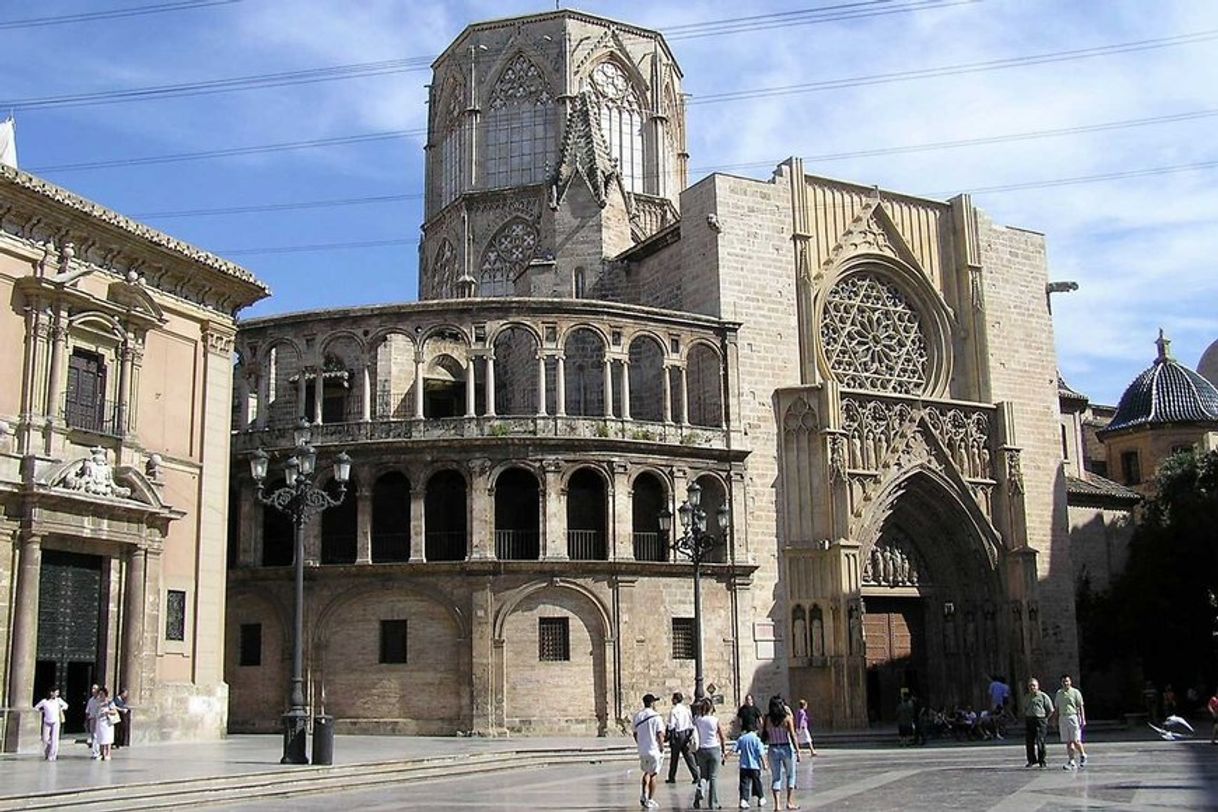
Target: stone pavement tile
pixel 1121 776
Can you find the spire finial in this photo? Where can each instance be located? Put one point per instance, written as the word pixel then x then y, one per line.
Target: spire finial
pixel 1164 345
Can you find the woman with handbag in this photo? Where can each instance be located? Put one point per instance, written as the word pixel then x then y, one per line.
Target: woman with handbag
pixel 107 718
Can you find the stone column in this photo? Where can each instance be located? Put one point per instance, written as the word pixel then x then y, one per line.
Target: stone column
pixel 481 512
pixel 623 516
pixel 319 393
pixel 541 385
pixel 608 370
pixel 363 522
pixel 135 599
pixel 560 386
pixel 243 400
pixel 684 419
pixel 23 727
pixel 554 526
pixel 366 392
pixel 264 396
pixel 470 387
pixel 667 381
pixel 418 386
pixel 418 521
pixel 490 384
pixel 482 695
pixel 301 392
pixel 57 376
pixel 249 548
pixel 625 388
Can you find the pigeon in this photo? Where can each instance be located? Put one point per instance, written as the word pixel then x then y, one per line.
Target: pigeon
pixel 1173 729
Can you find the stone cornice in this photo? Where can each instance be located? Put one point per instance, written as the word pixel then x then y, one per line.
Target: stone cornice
pixel 38 212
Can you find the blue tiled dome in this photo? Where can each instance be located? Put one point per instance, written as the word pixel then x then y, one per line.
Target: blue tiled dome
pixel 1167 392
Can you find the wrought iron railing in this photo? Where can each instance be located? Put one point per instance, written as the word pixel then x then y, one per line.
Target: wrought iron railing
pixel 98 417
pixel 586 545
pixel 517 545
pixel 650 546
pixel 445 545
pixel 390 547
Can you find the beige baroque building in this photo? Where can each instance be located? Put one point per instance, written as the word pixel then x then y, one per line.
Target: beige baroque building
pixel 866 379
pixel 114 448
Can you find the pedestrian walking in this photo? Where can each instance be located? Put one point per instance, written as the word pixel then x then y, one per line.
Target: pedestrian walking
pixel 91 722
pixel 680 738
pixel 1037 708
pixel 803 728
pixel 122 732
pixel 751 753
pixel 1071 719
pixel 53 709
pixel 649 736
pixel 107 718
pixel 779 731
pixel 712 753
pixel 749 715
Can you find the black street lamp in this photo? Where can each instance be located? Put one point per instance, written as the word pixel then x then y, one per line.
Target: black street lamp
pixel 300 499
pixel 695 544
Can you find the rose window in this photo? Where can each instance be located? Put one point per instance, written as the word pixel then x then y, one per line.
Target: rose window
pixel 873 338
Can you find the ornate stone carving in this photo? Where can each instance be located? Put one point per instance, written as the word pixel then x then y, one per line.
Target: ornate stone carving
pixel 94 476
pixel 873 338
pixel 1014 471
pixel 521 82
pixel 218 342
pixel 506 257
pixel 837 458
pixel 874 429
pixel 893 563
pixel 800 417
pixel 443 268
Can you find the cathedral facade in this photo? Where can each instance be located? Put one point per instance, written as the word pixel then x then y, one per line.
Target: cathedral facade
pixel 865 380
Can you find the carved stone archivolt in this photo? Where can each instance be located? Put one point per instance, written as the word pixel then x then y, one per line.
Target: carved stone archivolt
pixel 877 429
pixel 894 562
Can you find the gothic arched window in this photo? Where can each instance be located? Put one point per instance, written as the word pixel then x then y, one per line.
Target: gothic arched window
pixel 873 337
pixel 519 126
pixel 621 118
pixel 506 257
pixel 443 268
pixel 452 141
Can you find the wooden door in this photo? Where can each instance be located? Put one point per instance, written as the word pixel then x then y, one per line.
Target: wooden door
pixel 895 648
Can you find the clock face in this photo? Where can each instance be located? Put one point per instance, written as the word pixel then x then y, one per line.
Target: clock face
pixel 610 81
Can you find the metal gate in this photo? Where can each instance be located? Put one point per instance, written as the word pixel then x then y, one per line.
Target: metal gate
pixel 70 606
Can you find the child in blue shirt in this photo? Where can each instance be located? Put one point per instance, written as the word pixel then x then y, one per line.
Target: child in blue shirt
pixel 752 755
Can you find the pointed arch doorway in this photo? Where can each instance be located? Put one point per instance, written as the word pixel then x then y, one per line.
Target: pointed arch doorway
pixel 930 589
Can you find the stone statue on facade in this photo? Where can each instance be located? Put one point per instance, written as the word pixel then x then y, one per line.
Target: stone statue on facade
pixel 95 476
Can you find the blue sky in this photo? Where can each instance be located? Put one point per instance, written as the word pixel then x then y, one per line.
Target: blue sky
pixel 1143 248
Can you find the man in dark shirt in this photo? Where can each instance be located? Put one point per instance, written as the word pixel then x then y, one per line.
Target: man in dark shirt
pixel 749 715
pixel 1037 708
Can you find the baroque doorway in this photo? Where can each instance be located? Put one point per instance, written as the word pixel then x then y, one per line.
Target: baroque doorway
pixel 70 603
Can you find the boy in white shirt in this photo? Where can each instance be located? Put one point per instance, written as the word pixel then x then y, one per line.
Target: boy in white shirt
pixel 649 734
pixel 52 709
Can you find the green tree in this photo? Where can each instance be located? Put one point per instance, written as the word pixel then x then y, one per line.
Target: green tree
pixel 1161 611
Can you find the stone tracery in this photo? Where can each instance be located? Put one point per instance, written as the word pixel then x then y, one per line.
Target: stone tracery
pixel 506 257
pixel 873 337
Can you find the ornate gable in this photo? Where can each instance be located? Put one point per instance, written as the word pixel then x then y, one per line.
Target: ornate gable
pixel 872 232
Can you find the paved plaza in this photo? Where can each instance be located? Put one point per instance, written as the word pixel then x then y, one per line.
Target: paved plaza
pixel 1121 775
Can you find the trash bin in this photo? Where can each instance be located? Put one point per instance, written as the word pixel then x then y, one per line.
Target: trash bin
pixel 323 739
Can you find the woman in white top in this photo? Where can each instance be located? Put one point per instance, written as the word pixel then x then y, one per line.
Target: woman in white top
pixel 712 752
pixel 52 709
pixel 107 718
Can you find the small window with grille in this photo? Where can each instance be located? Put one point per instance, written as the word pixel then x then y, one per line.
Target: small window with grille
pixel 250 645
pixel 393 641
pixel 175 615
pixel 684 638
pixel 553 639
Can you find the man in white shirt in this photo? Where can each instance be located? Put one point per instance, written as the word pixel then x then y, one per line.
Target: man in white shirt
pixel 92 708
pixel 680 738
pixel 649 735
pixel 52 709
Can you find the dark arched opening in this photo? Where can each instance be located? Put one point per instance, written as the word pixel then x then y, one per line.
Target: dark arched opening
pixel 646 380
pixel 648 499
pixel 278 535
pixel 713 498
pixel 338 526
pixel 517 515
pixel 444 388
pixel 587 516
pixel 584 370
pixel 444 517
pixel 391 517
pixel 702 375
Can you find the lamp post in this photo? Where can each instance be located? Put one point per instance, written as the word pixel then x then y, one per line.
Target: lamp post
pixel 300 499
pixel 695 544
